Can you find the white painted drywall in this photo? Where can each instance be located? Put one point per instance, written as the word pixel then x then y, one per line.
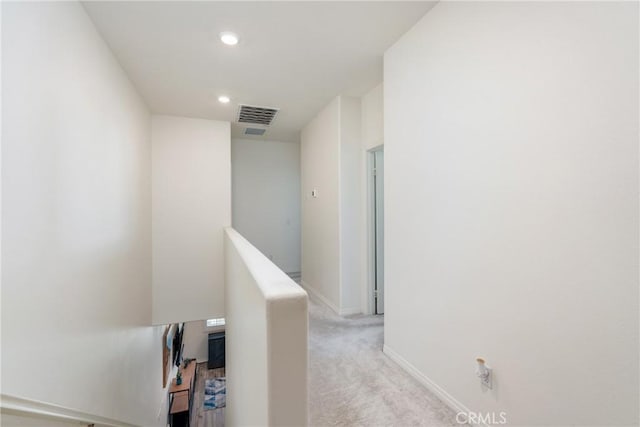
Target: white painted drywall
pixel 511 150
pixel 13 420
pixel 191 188
pixel 350 214
pixel 373 118
pixel 372 136
pixel 265 184
pixel 196 339
pixel 76 277
pixel 266 340
pixel 320 171
pixel 331 165
pixel 1 134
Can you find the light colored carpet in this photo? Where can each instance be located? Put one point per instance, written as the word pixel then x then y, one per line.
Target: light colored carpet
pixel 352 383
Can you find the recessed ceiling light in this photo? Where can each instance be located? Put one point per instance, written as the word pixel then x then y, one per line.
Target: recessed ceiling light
pixel 227 37
pixel 224 99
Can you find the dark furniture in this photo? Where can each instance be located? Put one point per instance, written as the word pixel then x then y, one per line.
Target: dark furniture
pixel 181 396
pixel 216 350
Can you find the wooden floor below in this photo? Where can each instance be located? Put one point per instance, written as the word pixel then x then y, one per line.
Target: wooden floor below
pixel 200 417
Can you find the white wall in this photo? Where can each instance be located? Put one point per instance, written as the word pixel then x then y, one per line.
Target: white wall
pixel 196 339
pixel 191 176
pixel 11 420
pixel 1 133
pixel 335 145
pixel 266 198
pixel 372 136
pixel 330 164
pixel 373 118
pixel 320 170
pixel 350 170
pixel 511 144
pixel 76 276
pixel 266 346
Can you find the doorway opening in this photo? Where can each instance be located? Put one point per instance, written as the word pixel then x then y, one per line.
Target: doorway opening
pixel 376 206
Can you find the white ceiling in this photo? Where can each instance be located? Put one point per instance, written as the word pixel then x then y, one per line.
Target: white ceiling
pixel 295 56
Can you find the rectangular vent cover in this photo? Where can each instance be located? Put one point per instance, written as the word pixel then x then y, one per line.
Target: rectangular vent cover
pixel 256 115
pixel 254 131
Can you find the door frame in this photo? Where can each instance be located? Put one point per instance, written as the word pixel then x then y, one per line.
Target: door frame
pixel 371 230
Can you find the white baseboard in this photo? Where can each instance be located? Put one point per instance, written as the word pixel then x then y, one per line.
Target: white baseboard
pixel 350 311
pixel 449 400
pixel 320 297
pixel 24 407
pixel 340 312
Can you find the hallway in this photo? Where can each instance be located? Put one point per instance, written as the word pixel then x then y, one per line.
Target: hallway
pixel 351 382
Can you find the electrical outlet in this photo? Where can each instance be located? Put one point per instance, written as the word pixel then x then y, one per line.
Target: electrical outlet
pixel 486 379
pixel 484 372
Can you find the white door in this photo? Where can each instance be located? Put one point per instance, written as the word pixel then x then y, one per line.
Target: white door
pixel 378 196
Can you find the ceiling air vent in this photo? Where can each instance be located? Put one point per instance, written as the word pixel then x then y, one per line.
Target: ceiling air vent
pixel 254 131
pixel 256 115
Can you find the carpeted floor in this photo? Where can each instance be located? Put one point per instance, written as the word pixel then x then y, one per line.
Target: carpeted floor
pixel 352 383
